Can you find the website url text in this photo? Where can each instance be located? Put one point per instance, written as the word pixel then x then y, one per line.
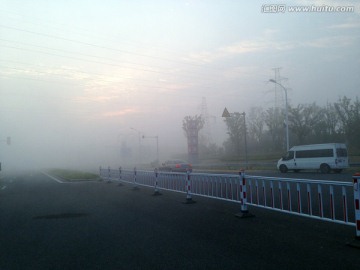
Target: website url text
pixel 282 8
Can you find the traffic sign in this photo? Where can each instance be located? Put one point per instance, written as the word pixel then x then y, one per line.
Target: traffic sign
pixel 225 113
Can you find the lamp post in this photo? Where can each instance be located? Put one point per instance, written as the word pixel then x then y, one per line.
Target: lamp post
pixel 246 154
pixel 227 114
pixel 157 145
pixel 286 113
pixel 139 134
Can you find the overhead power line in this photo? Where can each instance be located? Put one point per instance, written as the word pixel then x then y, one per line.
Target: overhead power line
pixel 155 70
pixel 97 46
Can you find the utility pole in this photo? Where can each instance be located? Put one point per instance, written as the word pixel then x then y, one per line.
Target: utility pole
pixel 139 134
pixel 157 145
pixel 279 101
pixel 286 112
pixel 246 152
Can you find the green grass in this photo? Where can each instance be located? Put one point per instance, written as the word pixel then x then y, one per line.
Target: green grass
pixel 73 175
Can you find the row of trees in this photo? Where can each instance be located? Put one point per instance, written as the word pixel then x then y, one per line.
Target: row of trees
pixel 308 124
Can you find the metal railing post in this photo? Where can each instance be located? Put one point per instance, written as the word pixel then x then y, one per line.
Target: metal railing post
pixel 109 175
pixel 244 212
pixel 134 181
pixel 281 196
pixel 156 189
pixel 345 210
pixel 188 189
pixel 356 179
pixel 298 191
pixel 120 176
pixel 332 205
pixel 309 199
pixel 320 201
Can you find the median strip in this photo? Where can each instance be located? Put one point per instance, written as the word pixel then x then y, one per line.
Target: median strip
pixel 66 176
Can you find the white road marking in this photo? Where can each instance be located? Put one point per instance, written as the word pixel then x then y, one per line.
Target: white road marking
pixel 53 178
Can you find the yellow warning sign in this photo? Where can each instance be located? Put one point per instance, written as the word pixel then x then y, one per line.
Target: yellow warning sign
pixel 225 113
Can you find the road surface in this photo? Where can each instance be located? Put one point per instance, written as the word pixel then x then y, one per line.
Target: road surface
pixel 46 224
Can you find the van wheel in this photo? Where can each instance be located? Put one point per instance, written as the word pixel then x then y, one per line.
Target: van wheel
pixel 283 168
pixel 324 168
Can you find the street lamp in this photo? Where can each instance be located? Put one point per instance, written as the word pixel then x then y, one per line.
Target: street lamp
pixel 157 145
pixel 286 113
pixel 246 154
pixel 139 134
pixel 226 114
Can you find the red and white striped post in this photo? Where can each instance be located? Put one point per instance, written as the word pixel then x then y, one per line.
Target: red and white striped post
pixel 244 212
pixel 135 184
pixel 356 242
pixel 109 175
pixel 356 179
pixel 156 189
pixel 189 199
pixel 120 176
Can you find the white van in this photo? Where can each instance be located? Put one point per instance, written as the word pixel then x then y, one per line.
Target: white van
pixel 323 157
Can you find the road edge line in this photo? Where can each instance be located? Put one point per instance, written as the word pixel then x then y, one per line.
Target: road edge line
pixel 53 178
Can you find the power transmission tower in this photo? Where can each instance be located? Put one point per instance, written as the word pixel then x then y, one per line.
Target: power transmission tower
pixel 207 132
pixel 276 92
pixel 192 125
pixel 279 93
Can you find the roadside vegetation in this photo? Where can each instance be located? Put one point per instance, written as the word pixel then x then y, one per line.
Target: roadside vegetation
pixel 337 122
pixel 73 174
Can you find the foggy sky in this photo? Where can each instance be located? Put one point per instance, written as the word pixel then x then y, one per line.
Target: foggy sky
pixel 79 79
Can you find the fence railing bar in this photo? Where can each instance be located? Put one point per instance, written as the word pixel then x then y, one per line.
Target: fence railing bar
pixel 226 187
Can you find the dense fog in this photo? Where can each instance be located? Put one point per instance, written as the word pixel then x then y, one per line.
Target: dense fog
pixel 97 83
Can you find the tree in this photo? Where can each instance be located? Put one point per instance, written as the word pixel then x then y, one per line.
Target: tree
pixel 256 124
pixel 349 116
pixel 308 123
pixel 191 126
pixel 303 120
pixel 275 123
pixel 236 131
pixel 328 128
pixel 211 150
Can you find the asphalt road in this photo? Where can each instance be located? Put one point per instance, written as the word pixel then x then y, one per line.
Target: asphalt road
pixel 45 224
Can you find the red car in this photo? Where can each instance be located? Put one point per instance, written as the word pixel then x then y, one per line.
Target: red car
pixel 176 165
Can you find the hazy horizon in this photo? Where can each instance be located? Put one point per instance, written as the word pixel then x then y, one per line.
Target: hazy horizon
pixel 80 79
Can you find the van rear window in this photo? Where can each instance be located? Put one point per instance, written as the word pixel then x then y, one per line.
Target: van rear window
pixel 314 153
